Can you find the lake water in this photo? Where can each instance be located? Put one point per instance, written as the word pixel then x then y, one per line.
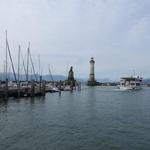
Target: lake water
pixel 92 119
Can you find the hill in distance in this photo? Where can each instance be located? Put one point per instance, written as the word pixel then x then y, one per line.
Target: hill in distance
pixel 60 77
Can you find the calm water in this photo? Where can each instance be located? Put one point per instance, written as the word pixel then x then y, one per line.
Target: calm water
pixel 93 119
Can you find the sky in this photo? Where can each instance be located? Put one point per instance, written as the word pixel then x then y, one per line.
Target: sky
pixel 68 33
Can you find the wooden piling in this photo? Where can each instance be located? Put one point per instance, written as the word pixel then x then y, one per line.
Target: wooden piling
pixel 59 87
pixel 43 87
pixel 71 85
pixel 76 83
pixel 32 88
pixel 6 88
pixel 40 86
pixel 18 88
pixel 79 86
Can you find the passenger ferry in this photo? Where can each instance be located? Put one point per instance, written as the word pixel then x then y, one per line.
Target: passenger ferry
pixel 130 83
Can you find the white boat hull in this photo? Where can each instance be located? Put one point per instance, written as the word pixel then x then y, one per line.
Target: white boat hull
pixel 124 88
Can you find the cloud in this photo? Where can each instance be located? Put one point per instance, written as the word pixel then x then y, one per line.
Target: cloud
pixel 66 32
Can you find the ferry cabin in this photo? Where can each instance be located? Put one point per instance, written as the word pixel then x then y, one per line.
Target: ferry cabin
pixel 129 83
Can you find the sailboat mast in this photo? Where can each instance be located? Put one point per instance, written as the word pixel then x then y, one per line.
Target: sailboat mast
pixel 32 65
pixel 19 63
pixel 50 73
pixel 28 62
pixel 6 66
pixel 23 65
pixel 11 62
pixel 39 66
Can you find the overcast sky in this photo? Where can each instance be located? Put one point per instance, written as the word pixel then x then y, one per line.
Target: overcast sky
pixel 68 32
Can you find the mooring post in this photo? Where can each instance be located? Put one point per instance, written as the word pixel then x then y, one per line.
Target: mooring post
pixel 59 87
pixel 40 84
pixel 75 84
pixel 43 87
pixel 71 85
pixel 18 88
pixel 32 88
pixel 79 86
pixel 27 89
pixel 64 85
pixel 6 88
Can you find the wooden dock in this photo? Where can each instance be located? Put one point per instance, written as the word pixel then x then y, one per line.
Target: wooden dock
pixel 33 88
pixel 30 89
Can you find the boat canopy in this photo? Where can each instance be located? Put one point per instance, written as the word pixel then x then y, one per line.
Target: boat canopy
pixel 131 78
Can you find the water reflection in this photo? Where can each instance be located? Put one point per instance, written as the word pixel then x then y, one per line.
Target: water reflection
pixel 3 105
pixel 91 119
pixel 34 100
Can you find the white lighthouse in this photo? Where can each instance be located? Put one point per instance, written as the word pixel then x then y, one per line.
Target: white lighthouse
pixel 92 81
pixel 92 75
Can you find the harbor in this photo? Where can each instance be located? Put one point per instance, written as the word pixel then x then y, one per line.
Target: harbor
pixel 33 85
pixel 35 88
pixel 74 75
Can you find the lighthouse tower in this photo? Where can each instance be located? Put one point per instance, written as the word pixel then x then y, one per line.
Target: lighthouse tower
pixel 92 81
pixel 92 75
